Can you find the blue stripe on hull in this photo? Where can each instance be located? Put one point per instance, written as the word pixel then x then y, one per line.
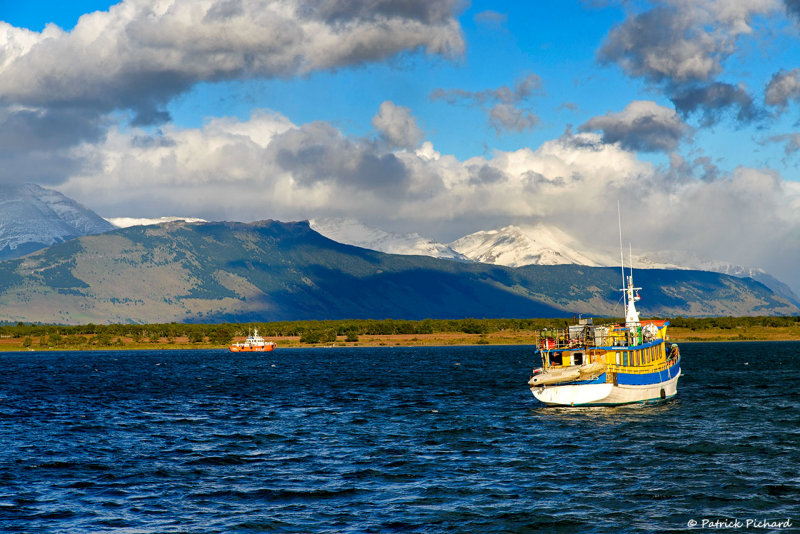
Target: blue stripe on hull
pixel 648 378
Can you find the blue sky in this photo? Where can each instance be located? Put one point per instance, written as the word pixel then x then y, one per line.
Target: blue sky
pixel 441 118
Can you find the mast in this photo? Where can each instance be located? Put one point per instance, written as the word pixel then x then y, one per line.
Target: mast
pixel 629 295
pixel 621 258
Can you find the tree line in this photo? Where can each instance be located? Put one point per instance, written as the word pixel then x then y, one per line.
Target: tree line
pixel 325 331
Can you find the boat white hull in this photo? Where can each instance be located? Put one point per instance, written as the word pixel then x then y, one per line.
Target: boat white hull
pixel 605 394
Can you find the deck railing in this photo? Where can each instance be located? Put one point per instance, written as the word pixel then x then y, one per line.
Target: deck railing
pixel 590 338
pixel 653 367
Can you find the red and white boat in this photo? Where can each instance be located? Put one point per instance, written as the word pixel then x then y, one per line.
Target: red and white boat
pixel 253 343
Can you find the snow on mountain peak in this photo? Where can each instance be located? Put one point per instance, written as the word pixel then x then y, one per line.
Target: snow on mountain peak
pixel 513 246
pixel 352 232
pixel 126 222
pixel 33 217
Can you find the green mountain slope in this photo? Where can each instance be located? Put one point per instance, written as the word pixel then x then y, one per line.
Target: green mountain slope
pixel 270 270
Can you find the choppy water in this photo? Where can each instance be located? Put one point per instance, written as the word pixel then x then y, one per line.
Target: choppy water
pixel 387 439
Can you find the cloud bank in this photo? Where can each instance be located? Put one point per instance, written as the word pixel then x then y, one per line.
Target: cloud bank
pixel 268 167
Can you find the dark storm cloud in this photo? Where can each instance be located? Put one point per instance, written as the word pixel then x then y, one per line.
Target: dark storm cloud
pixel 642 126
pixel 714 101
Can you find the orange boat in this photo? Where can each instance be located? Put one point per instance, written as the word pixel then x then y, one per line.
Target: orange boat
pixel 253 343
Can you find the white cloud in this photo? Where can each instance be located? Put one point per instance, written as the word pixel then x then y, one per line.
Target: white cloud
pixel 682 40
pixel 126 222
pixel 683 45
pixel 783 87
pixel 397 125
pixel 140 53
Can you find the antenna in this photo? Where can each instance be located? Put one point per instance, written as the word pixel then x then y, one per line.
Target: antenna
pixel 621 257
pixel 630 257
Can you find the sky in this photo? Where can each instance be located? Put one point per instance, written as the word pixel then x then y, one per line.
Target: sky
pixel 441 118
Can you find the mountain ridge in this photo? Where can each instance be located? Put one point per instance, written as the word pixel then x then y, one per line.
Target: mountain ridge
pixel 33 217
pixel 269 270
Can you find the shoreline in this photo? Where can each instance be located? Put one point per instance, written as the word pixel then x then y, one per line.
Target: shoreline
pixel 443 339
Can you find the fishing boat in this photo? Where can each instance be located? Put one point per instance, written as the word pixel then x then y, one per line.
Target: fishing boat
pixel 607 365
pixel 253 343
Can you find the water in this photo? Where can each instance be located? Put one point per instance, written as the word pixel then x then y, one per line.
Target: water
pixel 387 439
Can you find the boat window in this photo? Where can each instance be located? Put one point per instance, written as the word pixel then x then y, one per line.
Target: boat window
pixel 577 358
pixel 625 357
pixel 618 357
pixel 555 358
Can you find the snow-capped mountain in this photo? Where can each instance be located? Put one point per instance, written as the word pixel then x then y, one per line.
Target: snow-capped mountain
pixel 33 217
pixel 513 246
pixel 352 232
pixel 126 222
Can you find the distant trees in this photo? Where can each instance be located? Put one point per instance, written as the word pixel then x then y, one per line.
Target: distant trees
pixel 221 336
pixel 314 332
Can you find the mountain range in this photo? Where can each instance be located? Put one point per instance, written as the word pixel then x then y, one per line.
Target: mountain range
pixel 191 270
pixel 270 270
pixel 515 246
